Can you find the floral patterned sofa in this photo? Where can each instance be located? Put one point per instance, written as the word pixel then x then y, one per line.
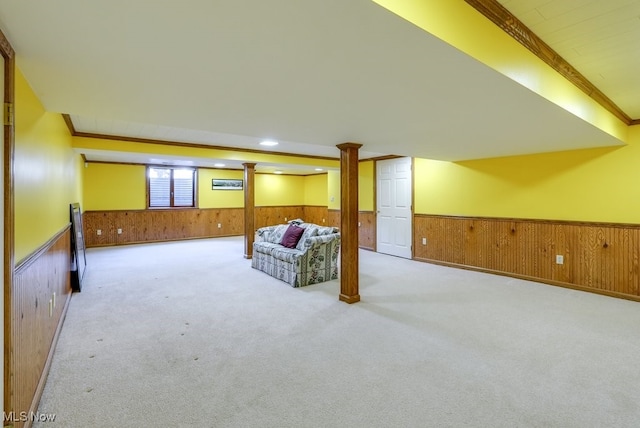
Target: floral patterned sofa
pixel 314 258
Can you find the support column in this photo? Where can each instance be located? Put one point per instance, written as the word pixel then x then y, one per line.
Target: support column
pixel 349 269
pixel 249 208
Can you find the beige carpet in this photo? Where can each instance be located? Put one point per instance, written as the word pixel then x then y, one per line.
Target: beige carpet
pixel 186 334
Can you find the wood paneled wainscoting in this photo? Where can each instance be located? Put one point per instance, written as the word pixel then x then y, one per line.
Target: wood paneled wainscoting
pixel 366 227
pixel 598 257
pixel 40 295
pixel 333 218
pixel 367 230
pixel 104 228
pixel 316 214
pixel 270 215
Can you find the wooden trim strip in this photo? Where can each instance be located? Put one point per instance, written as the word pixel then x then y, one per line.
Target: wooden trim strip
pixel 5 47
pixel 531 278
pixel 7 52
pixel 543 221
pixel 379 158
pixel 31 258
pixel 285 206
pixel 69 123
pixel 511 25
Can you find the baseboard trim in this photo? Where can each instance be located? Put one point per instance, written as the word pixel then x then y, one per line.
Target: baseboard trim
pixel 532 278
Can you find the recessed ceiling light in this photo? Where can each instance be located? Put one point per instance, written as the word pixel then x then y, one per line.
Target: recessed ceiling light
pixel 277 172
pixel 269 143
pixel 319 169
pixel 219 165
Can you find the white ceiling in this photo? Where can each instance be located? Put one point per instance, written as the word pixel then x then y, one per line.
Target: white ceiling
pixel 309 73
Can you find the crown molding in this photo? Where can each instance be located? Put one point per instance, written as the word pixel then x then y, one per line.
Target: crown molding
pixel 511 25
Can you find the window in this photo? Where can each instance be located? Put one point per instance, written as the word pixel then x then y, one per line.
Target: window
pixel 171 187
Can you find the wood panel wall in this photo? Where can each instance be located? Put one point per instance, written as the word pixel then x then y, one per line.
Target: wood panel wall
pixel 316 214
pixel 366 227
pixel 598 257
pixel 41 291
pixel 138 226
pixel 333 218
pixel 270 215
pixel 367 230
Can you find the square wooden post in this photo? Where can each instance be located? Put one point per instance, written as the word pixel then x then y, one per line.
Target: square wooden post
pixel 249 208
pixel 349 269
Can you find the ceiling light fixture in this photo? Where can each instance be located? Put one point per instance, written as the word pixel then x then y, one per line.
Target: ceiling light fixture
pixel 269 143
pixel 277 172
pixel 319 169
pixel 218 165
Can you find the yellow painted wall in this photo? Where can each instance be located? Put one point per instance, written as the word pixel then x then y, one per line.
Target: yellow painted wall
pixel 315 190
pixel 46 172
pixel 333 187
pixel 279 190
pixel 366 186
pixel 114 187
pixel 460 25
pixel 585 185
pixel 123 187
pixel 208 198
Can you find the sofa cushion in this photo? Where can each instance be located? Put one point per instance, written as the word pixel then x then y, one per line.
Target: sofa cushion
pixel 292 236
pixel 289 255
pixel 265 247
pixel 309 231
pixel 275 235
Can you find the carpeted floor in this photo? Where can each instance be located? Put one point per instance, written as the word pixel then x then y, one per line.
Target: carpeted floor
pixel 186 334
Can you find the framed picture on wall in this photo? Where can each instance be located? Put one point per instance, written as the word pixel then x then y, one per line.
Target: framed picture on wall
pixel 226 184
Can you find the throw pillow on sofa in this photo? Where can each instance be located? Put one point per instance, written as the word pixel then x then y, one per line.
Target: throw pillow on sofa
pixel 292 236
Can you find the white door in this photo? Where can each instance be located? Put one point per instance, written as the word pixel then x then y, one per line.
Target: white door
pixel 394 207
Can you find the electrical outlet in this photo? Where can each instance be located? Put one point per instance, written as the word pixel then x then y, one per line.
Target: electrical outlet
pixel 424 241
pixel 99 232
pixel 359 224
pixel 559 259
pixel 323 220
pixel 219 225
pixel 119 231
pixel 285 219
